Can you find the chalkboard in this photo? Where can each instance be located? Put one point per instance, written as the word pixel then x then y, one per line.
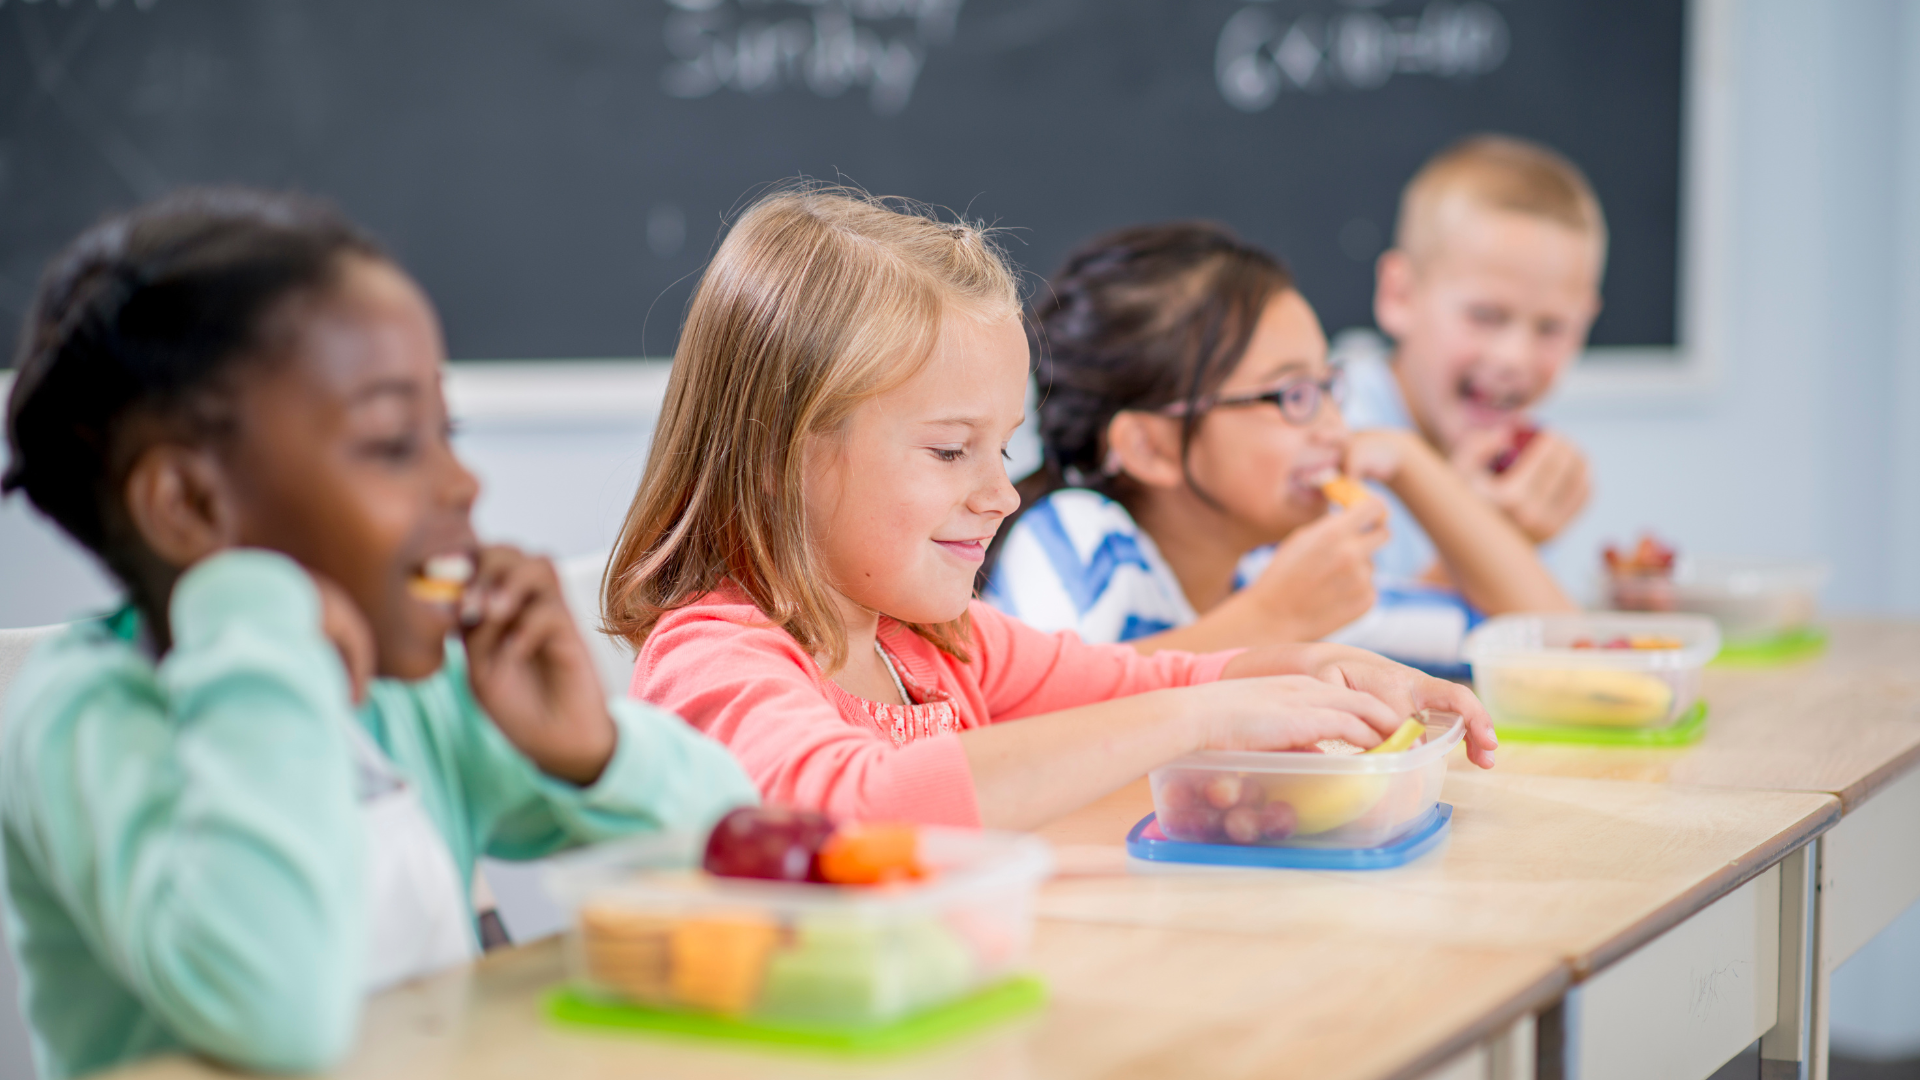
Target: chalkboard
pixel 556 171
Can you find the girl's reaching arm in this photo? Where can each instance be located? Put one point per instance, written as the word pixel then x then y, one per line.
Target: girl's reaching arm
pixel 1319 580
pixel 1094 717
pixel 1487 558
pixel 1028 772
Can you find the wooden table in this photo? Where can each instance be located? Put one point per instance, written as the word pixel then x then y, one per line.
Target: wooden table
pixel 1434 971
pixel 1681 910
pixel 1126 1002
pixel 1672 918
pixel 1847 724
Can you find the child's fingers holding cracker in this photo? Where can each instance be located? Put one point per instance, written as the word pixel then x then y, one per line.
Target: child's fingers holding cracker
pixel 1367 519
pixel 508 581
pixel 537 626
pixel 531 671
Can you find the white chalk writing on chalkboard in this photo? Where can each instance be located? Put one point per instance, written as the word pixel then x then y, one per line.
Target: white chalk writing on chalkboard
pixel 826 46
pixel 1260 55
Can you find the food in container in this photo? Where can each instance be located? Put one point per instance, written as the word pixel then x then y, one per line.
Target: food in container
pixel 1640 578
pixel 1753 600
pixel 650 929
pixel 1590 670
pixel 1306 799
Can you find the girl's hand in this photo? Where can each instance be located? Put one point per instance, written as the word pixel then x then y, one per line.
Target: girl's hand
pixel 1406 691
pixel 1321 576
pixel 344 625
pixel 1544 490
pixel 530 669
pixel 1286 712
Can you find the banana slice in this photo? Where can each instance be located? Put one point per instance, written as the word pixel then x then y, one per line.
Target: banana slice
pixel 1404 737
pixel 1579 697
pixel 1324 803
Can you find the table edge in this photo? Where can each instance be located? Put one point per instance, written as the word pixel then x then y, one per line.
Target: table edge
pixel 1696 899
pixel 1869 785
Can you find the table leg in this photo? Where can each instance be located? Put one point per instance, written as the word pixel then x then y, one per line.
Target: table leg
pixel 1512 1053
pixel 1508 1055
pixel 1869 874
pixel 1787 1050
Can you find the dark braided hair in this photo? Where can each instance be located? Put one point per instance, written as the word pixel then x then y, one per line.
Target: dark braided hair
pixel 147 314
pixel 1138 319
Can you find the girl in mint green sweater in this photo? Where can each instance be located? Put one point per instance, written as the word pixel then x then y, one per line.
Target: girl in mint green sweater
pixel 257 791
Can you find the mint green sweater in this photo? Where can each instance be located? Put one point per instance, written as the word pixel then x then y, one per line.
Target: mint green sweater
pixel 182 840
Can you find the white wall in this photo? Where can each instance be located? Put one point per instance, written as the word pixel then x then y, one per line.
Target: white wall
pixel 1805 446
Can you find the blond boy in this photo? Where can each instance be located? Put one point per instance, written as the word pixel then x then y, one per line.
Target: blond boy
pixel 1487 294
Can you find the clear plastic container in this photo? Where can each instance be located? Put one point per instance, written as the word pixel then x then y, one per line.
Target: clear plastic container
pixel 1751 599
pixel 1304 799
pixel 651 929
pixel 1558 671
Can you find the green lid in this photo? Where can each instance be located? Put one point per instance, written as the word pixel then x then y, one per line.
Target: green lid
pixel 1793 646
pixel 1685 731
pixel 1012 998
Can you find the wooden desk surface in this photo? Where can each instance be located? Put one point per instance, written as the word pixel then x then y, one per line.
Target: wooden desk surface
pixel 1587 870
pixel 1345 976
pixel 1846 724
pixel 1126 1002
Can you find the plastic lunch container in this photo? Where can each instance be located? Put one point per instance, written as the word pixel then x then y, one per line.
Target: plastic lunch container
pixel 649 930
pixel 1528 670
pixel 1304 799
pixel 1751 599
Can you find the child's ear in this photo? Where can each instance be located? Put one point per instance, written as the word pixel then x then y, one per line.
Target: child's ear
pixel 1146 448
pixel 179 500
pixel 1393 292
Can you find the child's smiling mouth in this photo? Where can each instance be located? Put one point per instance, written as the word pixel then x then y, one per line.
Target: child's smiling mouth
pixel 1490 401
pixel 966 550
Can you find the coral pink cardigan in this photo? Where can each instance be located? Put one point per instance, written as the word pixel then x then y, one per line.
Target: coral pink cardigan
pixel 723 667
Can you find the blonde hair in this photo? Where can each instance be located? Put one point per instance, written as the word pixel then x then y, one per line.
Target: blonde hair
pixel 1496 172
pixel 819 299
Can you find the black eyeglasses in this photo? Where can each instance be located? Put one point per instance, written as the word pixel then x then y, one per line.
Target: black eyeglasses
pixel 1297 399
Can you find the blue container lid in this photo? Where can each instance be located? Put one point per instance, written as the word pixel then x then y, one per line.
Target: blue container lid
pixel 1422 838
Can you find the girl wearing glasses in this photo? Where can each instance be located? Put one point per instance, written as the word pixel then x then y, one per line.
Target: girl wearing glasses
pixel 1188 418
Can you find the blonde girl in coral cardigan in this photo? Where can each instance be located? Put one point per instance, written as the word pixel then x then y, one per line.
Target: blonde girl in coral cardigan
pixel 796 570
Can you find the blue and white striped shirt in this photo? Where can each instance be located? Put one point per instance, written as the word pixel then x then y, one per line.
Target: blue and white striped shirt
pixel 1076 560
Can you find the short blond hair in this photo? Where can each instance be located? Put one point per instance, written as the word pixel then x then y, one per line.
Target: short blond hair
pixel 1496 172
pixel 818 299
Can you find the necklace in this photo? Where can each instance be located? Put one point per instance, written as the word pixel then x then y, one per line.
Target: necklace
pixel 888 661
